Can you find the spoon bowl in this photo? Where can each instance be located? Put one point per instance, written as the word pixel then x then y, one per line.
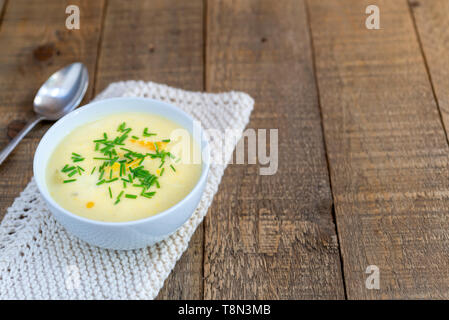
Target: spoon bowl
pixel 58 96
pixel 62 92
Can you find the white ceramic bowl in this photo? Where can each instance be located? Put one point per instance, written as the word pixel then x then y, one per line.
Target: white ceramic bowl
pixel 120 235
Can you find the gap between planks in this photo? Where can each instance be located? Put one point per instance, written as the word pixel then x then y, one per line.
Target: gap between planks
pixel 334 218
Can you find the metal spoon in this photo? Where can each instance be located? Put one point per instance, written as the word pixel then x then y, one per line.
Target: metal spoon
pixel 59 95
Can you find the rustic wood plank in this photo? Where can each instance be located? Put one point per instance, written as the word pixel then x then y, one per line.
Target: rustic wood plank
pixel 270 236
pixel 387 150
pixel 432 23
pixel 34 43
pixel 161 41
pixel 2 10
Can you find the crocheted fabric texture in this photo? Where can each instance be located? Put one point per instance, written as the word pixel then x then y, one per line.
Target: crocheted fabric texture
pixel 40 260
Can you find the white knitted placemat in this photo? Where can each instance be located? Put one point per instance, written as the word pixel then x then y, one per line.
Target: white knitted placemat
pixel 40 260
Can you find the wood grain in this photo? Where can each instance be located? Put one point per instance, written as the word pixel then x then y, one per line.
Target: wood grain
pixel 160 41
pixel 432 23
pixel 270 236
pixel 35 43
pixel 2 10
pixel 387 150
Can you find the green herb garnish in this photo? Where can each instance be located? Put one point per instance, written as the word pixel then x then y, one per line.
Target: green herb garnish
pixel 67 168
pixel 147 134
pixel 148 194
pixel 71 174
pixel 121 127
pixel 77 157
pixel 118 197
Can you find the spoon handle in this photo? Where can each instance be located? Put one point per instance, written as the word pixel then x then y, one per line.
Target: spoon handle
pixel 15 141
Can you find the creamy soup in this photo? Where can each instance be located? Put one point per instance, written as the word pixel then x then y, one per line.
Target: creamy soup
pixel 123 167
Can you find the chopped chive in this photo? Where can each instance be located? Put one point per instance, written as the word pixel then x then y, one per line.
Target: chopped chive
pixel 101 182
pixel 135 138
pixel 71 174
pixel 124 184
pixel 70 180
pixel 110 174
pixel 110 192
pixel 65 168
pixel 162 172
pixel 101 175
pixel 79 171
pixel 179 159
pixel 148 134
pixel 157 184
pixel 170 155
pixel 113 161
pixel 148 194
pixel 111 180
pixel 99 158
pixel 130 196
pixel 122 138
pixel 166 140
pixel 122 169
pixel 68 169
pixel 130 177
pixel 173 168
pixel 105 135
pixel 76 157
pixel 80 168
pixel 105 149
pixel 92 171
pixel 118 197
pixel 121 127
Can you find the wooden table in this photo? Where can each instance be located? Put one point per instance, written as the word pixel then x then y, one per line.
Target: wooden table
pixel 362 115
